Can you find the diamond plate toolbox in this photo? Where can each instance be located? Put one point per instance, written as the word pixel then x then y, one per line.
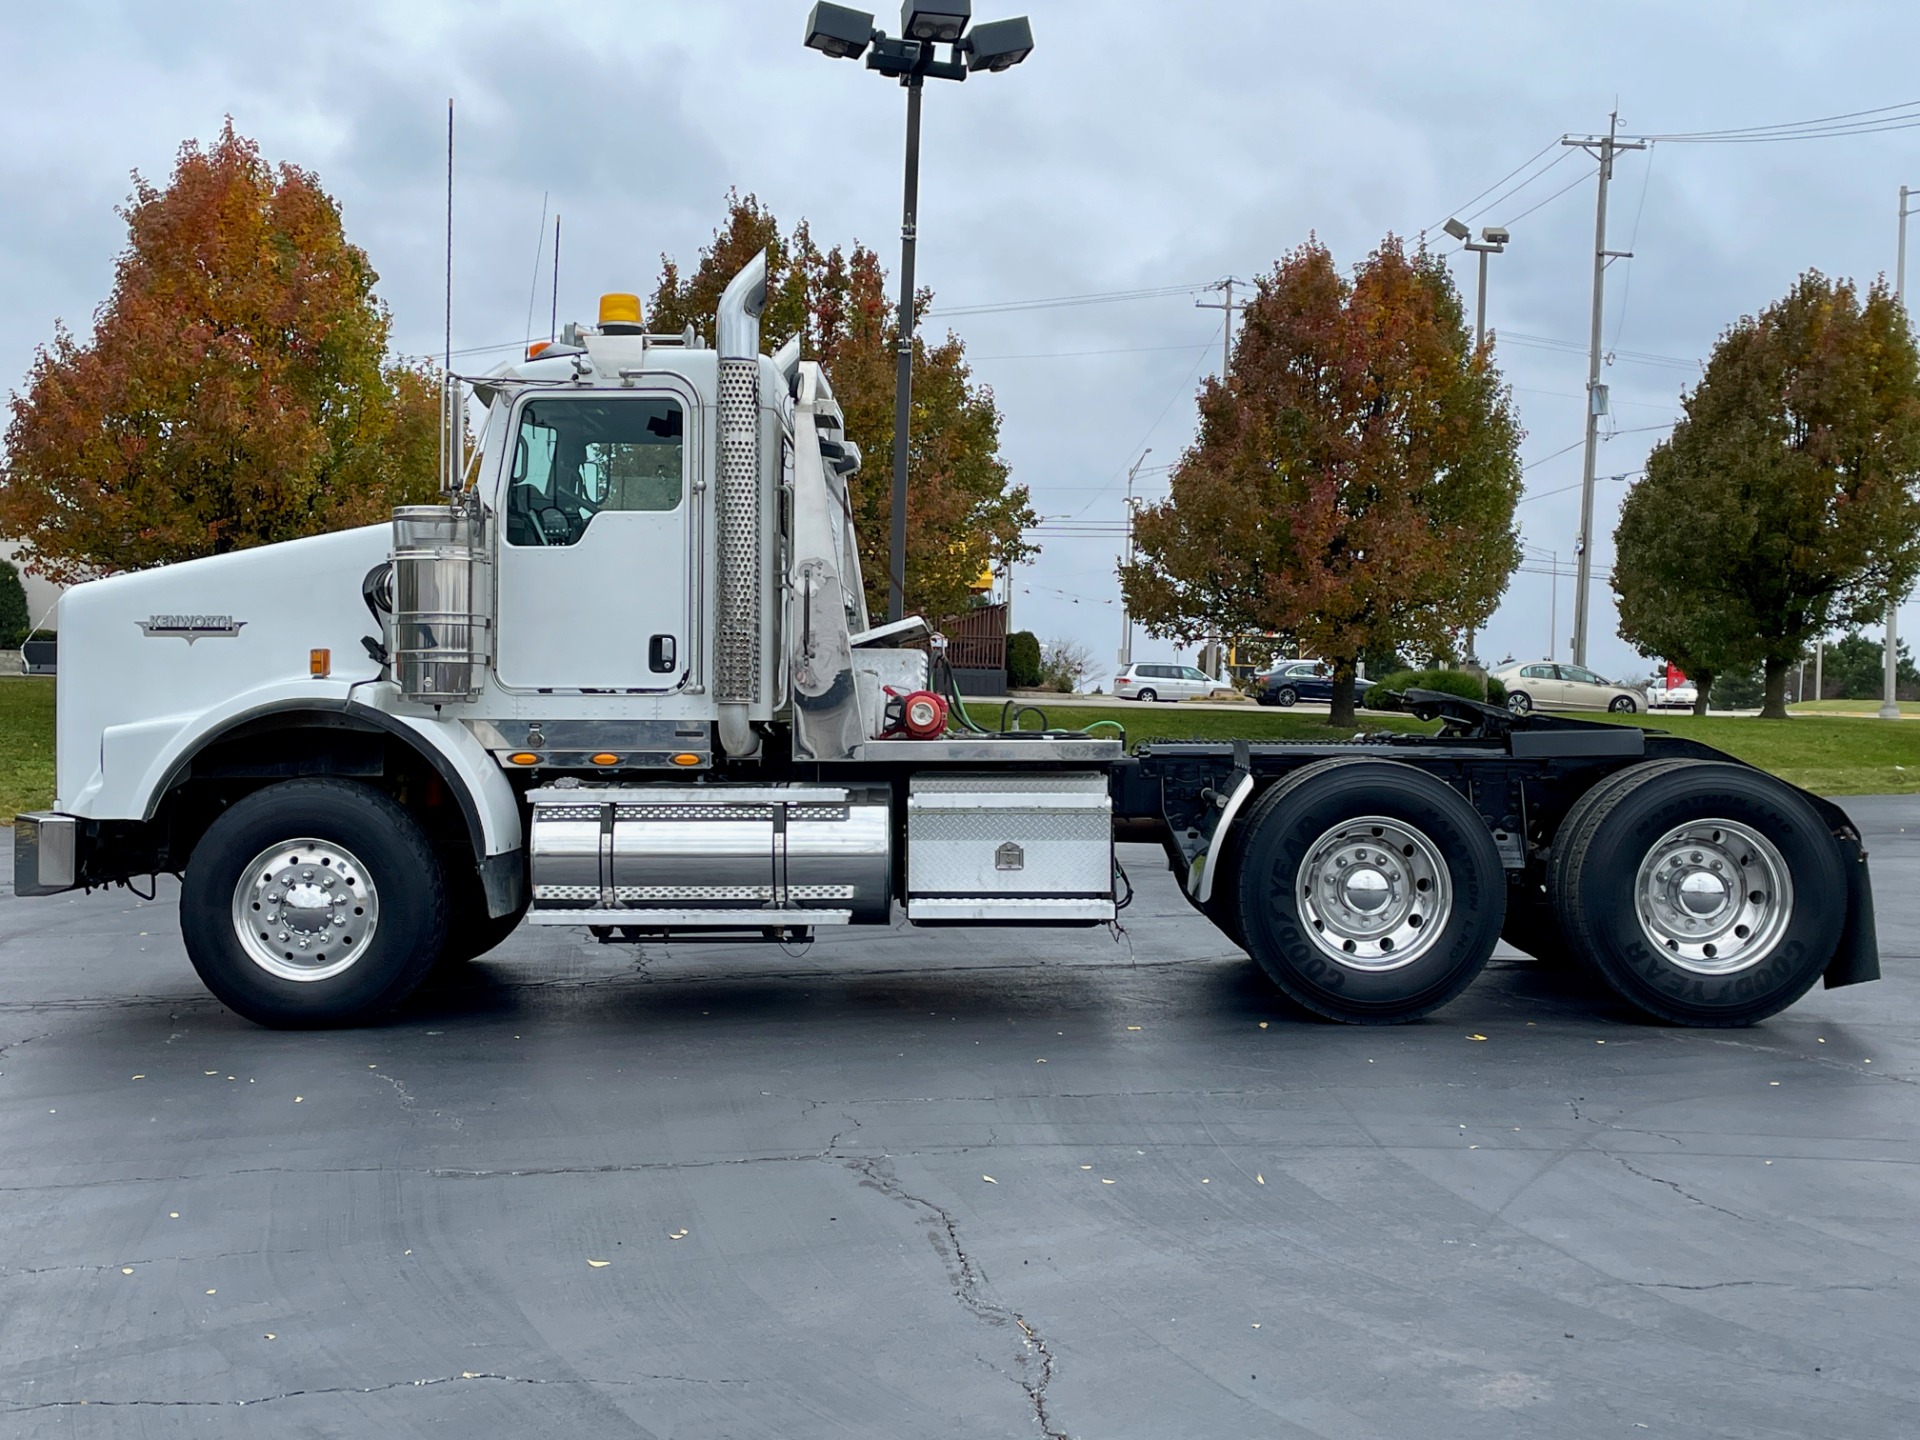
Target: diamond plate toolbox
pixel 987 838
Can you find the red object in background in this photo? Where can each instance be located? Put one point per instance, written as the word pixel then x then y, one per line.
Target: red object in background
pixel 1674 676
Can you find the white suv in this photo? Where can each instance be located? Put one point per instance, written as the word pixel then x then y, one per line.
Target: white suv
pixel 1162 682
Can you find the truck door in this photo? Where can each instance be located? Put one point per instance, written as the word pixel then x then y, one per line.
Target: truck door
pixel 594 555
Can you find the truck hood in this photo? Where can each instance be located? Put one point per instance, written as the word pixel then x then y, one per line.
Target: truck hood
pixel 145 654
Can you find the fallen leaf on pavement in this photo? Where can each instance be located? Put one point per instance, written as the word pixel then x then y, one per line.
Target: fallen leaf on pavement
pixel 599 1264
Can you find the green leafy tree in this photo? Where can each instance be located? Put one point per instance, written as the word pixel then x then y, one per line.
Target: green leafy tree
pixel 963 515
pixel 1023 659
pixel 1354 477
pixel 1785 501
pixel 235 391
pixel 1854 668
pixel 14 619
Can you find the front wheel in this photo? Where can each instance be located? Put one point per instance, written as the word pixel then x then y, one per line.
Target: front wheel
pixel 1623 705
pixel 313 902
pixel 1701 892
pixel 1287 698
pixel 1519 702
pixel 1369 892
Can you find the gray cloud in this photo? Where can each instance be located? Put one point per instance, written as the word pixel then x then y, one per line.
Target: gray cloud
pixel 1144 144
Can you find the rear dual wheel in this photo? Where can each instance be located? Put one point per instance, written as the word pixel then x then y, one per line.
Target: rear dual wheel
pixel 1368 891
pixel 1701 892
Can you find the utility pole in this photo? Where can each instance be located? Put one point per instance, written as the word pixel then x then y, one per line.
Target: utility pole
pixel 1126 619
pixel 1605 148
pixel 1889 701
pixel 1228 305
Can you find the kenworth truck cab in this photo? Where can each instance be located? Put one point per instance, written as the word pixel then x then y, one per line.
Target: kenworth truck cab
pixel 624 680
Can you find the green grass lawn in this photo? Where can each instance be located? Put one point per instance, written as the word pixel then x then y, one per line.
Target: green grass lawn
pixel 1827 754
pixel 26 744
pixel 1909 710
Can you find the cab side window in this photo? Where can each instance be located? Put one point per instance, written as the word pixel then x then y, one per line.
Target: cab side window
pixel 575 457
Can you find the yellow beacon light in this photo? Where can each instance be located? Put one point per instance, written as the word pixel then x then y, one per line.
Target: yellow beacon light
pixel 619 309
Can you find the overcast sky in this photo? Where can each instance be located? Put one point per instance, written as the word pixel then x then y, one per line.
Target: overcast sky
pixel 1144 145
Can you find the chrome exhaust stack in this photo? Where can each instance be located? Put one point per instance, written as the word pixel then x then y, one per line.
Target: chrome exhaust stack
pixel 737 631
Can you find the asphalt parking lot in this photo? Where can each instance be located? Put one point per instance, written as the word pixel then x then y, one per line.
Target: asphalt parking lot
pixel 945 1183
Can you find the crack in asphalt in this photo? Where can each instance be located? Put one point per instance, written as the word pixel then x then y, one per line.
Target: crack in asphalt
pixel 1574 1106
pixel 1741 1284
pixel 970 1287
pixel 152 1260
pixel 1672 1185
pixel 420 1384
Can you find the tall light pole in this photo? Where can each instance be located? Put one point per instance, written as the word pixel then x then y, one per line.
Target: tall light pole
pixel 1493 241
pixel 1126 616
pixel 1605 147
pixel 925 25
pixel 1890 680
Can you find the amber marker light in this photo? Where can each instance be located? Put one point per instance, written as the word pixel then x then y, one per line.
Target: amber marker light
pixel 605 759
pixel 525 757
pixel 319 663
pixel 686 759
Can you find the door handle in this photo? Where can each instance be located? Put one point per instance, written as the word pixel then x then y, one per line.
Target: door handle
pixel 660 654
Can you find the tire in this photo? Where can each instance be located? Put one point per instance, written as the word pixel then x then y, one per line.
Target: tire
pixel 1286 698
pixel 1622 705
pixel 1304 826
pixel 1146 697
pixel 1699 823
pixel 471 932
pixel 1519 702
pixel 358 836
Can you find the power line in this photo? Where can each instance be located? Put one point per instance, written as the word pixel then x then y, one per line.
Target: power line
pixel 1186 387
pixel 1537 175
pixel 1578 179
pixel 1055 302
pixel 1070 354
pixel 1903 116
pixel 1496 184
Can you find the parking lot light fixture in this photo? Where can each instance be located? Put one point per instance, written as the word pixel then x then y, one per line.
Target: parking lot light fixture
pixel 912 57
pixel 839 31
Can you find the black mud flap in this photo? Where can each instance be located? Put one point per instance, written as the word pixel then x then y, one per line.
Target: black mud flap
pixel 1858 957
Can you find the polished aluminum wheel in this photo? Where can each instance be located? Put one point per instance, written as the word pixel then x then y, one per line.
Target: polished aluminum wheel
pixel 1716 895
pixel 305 910
pixel 1375 893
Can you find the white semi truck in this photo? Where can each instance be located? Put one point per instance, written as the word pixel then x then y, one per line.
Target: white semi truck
pixel 624 680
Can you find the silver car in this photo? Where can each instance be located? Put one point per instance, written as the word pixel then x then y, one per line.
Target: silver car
pixel 1163 682
pixel 1551 685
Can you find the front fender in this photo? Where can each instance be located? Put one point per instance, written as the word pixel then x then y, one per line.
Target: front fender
pixel 142 761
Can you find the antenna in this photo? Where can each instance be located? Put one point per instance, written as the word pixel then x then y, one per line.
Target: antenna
pixel 539 250
pixel 553 317
pixel 449 433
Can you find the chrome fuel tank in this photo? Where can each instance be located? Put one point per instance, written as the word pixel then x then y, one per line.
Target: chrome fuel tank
pixel 626 848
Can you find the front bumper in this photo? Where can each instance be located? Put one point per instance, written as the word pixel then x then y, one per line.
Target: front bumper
pixel 46 853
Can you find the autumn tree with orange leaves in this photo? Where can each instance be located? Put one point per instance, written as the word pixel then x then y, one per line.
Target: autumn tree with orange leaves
pixel 962 512
pixel 1354 477
pixel 236 390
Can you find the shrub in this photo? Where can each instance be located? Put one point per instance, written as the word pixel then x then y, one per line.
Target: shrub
pixel 14 621
pixel 1023 660
pixel 1464 683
